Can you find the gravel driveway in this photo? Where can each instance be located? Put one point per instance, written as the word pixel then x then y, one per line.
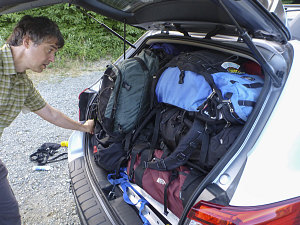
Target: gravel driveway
pixel 44 197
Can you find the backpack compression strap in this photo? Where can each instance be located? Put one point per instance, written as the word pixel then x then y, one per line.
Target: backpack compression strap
pixel 173 176
pixel 191 141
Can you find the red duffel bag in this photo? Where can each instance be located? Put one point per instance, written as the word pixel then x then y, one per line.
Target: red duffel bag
pixel 171 188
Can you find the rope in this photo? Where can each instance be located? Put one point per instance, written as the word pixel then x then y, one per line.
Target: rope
pixel 43 154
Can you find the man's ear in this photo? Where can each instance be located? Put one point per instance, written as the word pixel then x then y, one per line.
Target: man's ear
pixel 26 41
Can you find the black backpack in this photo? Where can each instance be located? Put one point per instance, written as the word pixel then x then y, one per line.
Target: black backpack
pixel 188 139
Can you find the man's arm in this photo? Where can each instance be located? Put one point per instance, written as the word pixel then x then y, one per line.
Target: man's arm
pixel 57 118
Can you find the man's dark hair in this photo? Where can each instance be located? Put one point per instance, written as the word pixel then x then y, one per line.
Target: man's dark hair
pixel 38 29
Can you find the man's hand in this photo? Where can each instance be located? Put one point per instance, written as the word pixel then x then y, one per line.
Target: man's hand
pixel 89 126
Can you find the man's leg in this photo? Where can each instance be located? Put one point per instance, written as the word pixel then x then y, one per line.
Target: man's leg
pixel 9 209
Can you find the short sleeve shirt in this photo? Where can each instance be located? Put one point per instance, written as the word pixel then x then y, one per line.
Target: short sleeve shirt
pixel 16 90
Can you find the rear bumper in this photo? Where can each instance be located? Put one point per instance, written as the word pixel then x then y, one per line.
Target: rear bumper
pixel 90 187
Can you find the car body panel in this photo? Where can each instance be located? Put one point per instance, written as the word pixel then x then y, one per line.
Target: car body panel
pixel 293 18
pixel 76 145
pixel 271 173
pixel 292 11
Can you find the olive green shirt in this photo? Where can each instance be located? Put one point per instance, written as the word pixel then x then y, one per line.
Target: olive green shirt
pixel 16 90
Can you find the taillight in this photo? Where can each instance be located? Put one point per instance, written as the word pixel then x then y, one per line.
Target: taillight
pixel 285 212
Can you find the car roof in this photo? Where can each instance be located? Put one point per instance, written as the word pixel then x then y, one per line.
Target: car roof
pixel 202 16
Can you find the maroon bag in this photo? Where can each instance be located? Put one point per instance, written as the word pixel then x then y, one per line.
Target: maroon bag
pixel 171 188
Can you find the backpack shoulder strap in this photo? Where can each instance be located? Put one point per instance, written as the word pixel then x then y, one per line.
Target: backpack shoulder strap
pixel 142 63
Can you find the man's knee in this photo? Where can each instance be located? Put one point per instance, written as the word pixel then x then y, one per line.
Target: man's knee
pixel 9 208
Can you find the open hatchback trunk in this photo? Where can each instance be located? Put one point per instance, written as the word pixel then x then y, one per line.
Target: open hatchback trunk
pixel 217 186
pixel 250 41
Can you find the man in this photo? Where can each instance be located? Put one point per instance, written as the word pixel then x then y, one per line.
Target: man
pixel 31 46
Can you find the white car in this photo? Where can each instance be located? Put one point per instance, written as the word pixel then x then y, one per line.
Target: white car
pixel 293 18
pixel 257 179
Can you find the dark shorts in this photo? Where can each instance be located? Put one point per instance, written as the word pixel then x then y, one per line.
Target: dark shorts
pixel 9 208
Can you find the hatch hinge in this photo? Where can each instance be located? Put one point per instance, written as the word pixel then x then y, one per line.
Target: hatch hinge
pixel 181 30
pixel 214 32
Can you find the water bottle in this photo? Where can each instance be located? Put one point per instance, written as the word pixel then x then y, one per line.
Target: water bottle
pixel 41 168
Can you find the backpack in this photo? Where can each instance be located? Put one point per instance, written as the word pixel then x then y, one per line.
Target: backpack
pixel 174 124
pixel 173 188
pixel 123 98
pixel 108 151
pixel 239 92
pixel 219 140
pixel 187 139
pixel 210 83
pixel 109 154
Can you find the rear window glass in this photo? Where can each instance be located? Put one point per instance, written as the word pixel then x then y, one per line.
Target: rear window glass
pixel 128 5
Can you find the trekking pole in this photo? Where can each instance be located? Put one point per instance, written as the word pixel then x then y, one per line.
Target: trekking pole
pixel 106 27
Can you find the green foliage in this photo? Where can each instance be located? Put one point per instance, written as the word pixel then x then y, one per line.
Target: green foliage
pixel 85 39
pixel 291 1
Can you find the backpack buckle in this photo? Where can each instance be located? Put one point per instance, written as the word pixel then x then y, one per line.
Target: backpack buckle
pixel 180 156
pixel 212 94
pixel 157 164
pixel 112 194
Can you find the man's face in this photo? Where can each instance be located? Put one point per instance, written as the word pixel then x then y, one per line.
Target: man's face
pixel 39 56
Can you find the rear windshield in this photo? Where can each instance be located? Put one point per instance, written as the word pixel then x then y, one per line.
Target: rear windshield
pixel 128 5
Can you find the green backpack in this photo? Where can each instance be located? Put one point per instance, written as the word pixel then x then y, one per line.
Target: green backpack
pixel 124 95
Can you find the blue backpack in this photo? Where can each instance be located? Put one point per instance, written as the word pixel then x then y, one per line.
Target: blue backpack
pixel 240 90
pixel 200 82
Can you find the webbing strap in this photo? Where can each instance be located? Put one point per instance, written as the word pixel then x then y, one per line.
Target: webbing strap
pixel 246 103
pixel 181 77
pixel 136 150
pixel 113 111
pixel 125 185
pixel 144 123
pixel 156 129
pixel 173 176
pixel 42 155
pixel 253 85
pixel 204 148
pixel 146 155
pixel 142 63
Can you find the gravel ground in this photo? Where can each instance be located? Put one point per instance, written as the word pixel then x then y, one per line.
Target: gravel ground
pixel 44 197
